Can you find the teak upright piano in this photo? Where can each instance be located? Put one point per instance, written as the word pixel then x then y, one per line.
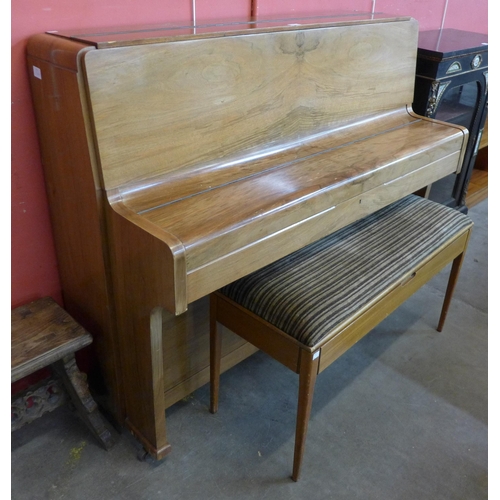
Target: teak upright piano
pixel 179 159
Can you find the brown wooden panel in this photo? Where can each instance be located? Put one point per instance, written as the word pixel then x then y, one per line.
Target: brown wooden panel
pixel 477 190
pixel 232 266
pixel 142 197
pixel 152 103
pixel 484 137
pixel 113 36
pixel 74 195
pixel 54 50
pixel 249 326
pixel 219 221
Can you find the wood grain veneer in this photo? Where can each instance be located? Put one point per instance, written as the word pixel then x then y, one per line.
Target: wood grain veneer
pixel 41 334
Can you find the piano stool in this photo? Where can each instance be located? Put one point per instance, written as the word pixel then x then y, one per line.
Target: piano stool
pixel 307 309
pixel 44 334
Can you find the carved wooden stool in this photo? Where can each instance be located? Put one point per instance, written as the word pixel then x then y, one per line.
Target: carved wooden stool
pixel 44 334
pixel 309 308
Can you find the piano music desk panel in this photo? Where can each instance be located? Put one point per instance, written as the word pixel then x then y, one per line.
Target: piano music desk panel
pixel 252 92
pixel 178 163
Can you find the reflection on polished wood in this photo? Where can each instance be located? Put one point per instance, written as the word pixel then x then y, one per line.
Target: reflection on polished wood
pixel 477 190
pixel 178 163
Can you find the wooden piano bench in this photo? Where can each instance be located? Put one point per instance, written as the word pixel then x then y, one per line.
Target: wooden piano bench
pixel 307 309
pixel 44 334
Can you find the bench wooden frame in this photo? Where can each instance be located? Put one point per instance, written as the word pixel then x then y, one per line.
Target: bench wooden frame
pixel 308 362
pixel 43 334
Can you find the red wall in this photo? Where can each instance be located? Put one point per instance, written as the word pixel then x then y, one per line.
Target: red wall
pixel 34 267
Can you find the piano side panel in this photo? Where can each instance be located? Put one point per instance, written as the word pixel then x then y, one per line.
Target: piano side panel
pixel 75 200
pixel 177 106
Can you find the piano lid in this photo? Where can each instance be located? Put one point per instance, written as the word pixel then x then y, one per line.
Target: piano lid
pixel 155 33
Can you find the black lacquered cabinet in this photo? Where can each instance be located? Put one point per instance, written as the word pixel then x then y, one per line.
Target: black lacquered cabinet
pixel 452 85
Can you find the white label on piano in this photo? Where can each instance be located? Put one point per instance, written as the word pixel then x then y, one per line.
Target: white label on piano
pixel 37 72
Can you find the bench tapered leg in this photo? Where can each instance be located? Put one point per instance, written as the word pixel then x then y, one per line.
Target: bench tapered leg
pixel 308 372
pixel 215 357
pixel 455 271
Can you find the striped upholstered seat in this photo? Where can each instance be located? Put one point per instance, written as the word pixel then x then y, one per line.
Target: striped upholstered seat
pixel 311 293
pixel 309 308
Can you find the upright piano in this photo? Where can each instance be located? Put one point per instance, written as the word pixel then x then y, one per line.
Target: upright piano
pixel 179 158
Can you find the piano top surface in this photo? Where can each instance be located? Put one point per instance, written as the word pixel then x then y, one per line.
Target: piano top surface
pixel 103 38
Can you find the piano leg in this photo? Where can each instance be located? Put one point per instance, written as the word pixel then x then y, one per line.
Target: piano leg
pixel 143 386
pixel 139 296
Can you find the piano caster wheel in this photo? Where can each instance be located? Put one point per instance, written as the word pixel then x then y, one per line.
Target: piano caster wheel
pixel 142 455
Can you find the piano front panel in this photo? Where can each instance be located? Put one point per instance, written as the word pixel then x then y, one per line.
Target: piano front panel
pixel 74 196
pixel 220 220
pixel 216 273
pixel 144 197
pixel 177 106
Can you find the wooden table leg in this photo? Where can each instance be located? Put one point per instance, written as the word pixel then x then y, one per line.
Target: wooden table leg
pixel 76 385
